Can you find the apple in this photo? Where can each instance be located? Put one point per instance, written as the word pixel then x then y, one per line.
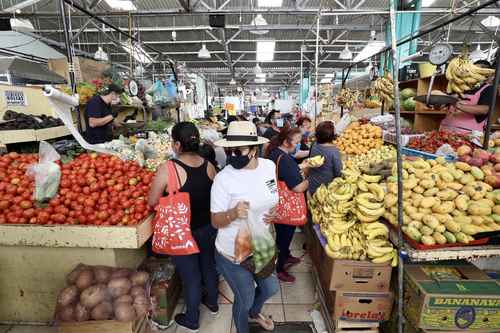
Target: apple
pixel 465 158
pixel 488 170
pixel 475 161
pixel 482 154
pixel 495 158
pixel 497 167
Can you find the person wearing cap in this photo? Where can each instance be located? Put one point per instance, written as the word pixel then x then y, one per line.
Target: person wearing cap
pixel 99 115
pixel 247 183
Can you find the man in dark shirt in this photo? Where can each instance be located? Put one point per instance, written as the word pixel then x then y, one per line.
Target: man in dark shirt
pixel 99 115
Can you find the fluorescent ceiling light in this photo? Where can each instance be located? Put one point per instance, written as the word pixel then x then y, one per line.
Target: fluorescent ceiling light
pixel 330 75
pixel 203 53
pixel 261 75
pixel 491 22
pixel 137 52
pixel 100 54
pixel 477 54
pixel 260 80
pixel 232 82
pixel 427 3
pixel 126 5
pixel 21 25
pixel 265 50
pixel 370 49
pixel 259 21
pixel 346 54
pixel 270 3
pixel 326 81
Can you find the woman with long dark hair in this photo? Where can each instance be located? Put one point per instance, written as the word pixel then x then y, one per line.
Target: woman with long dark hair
pixel 280 150
pixel 195 176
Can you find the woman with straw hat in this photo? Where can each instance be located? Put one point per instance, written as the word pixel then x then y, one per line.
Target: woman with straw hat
pixel 247 183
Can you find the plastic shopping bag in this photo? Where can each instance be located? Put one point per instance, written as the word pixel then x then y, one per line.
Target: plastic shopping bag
pixel 160 95
pixel 263 244
pixel 46 172
pixel 243 243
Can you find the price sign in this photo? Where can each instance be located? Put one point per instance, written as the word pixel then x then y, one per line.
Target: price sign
pixel 15 98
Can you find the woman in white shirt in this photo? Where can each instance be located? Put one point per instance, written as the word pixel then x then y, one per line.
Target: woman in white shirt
pixel 246 183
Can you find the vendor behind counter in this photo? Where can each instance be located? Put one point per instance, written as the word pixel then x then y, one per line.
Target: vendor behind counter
pixel 471 112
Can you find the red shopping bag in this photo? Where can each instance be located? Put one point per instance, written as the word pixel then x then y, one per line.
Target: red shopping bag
pixel 172 225
pixel 292 209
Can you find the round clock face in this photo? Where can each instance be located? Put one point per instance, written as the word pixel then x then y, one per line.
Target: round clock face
pixel 440 54
pixel 133 88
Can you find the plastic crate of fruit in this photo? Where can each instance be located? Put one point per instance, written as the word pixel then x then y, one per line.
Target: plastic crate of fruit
pixel 423 154
pixel 390 137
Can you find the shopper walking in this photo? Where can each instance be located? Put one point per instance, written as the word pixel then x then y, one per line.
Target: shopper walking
pixel 324 146
pixel 280 150
pixel 195 176
pixel 247 183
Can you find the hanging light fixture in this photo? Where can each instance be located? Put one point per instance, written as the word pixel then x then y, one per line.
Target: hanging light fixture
pixel 257 69
pixel 259 21
pixel 232 82
pixel 100 54
pixel 491 22
pixel 345 54
pixel 203 53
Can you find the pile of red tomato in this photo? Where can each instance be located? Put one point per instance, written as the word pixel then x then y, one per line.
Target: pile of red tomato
pixel 94 189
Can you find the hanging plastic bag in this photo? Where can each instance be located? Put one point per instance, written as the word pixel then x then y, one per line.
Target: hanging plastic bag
pixel 171 89
pixel 46 172
pixel 263 245
pixel 243 243
pixel 160 95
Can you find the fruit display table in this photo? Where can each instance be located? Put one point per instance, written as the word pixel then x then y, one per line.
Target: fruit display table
pixel 34 259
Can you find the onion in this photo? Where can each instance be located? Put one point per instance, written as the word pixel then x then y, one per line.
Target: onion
pixel 119 286
pixel 68 296
pixel 139 278
pixel 92 296
pixel 125 312
pixel 85 279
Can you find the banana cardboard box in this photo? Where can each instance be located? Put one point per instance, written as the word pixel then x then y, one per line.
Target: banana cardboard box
pixel 353 275
pixel 451 297
pixel 360 306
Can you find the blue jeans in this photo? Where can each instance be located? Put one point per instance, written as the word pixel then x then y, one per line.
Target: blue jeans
pixel 248 299
pixel 197 270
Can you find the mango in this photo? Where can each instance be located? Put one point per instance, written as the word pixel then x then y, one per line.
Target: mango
pixel 461 237
pixel 446 176
pixel 447 194
pixel 450 238
pixel 462 202
pixel 427 231
pixel 428 240
pixel 478 209
pixel 462 166
pixel 477 173
pixel 428 202
pixel 431 192
pixel 469 229
pixel 452 226
pixel 466 179
pixel 413 233
pixel 431 221
pixel 439 238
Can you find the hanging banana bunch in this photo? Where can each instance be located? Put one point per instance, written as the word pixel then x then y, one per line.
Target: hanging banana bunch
pixel 384 88
pixel 347 97
pixel 462 75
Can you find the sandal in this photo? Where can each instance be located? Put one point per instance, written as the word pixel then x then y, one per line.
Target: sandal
pixel 265 322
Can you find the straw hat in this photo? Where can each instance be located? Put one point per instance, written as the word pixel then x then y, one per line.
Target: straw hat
pixel 240 134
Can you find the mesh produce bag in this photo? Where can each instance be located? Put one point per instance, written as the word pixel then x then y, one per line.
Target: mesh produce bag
pixel 46 172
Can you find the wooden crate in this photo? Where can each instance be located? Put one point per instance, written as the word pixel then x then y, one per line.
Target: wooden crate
pixel 104 326
pixel 51 133
pixel 356 327
pixel 77 236
pixel 15 136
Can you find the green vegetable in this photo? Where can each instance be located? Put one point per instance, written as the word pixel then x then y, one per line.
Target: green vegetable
pixel 409 104
pixel 408 93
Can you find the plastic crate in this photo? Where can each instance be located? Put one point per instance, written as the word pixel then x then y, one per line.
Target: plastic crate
pixel 423 154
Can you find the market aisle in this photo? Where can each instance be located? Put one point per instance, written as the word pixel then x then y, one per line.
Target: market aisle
pixel 292 304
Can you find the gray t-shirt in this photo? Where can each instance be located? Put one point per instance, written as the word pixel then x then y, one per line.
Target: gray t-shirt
pixel 332 167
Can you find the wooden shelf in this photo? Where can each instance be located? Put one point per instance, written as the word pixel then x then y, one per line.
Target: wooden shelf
pixel 31 135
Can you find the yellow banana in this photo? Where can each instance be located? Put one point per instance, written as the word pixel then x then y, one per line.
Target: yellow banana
pixel 385 258
pixel 377 190
pixel 372 212
pixel 371 178
pixel 365 218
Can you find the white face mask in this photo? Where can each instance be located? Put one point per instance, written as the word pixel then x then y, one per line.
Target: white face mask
pixel 279 122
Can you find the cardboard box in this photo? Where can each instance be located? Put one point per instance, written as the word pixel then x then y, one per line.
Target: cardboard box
pixel 360 306
pixel 85 69
pixel 470 301
pixel 336 274
pixel 104 326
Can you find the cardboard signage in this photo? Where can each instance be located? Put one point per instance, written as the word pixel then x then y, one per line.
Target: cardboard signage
pixel 362 306
pixel 15 98
pixel 468 302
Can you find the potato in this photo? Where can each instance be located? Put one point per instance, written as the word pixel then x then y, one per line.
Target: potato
pixel 66 313
pixel 119 286
pixel 137 290
pixel 102 274
pixel 85 279
pixel 93 295
pixel 123 299
pixel 103 311
pixel 139 278
pixel 125 312
pixel 68 296
pixel 141 309
pixel 141 299
pixel 121 273
pixel 81 313
pixel 71 278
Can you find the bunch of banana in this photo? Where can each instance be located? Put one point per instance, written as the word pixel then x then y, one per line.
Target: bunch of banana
pixel 370 203
pixel 384 87
pixel 342 190
pixel 462 75
pixel 348 245
pixel 347 97
pixel 378 248
pixel 316 161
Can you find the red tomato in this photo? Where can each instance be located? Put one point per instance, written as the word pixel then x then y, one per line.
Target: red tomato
pixel 4 204
pixel 86 190
pixel 102 215
pixel 58 218
pixel 29 213
pixel 11 189
pixel 25 204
